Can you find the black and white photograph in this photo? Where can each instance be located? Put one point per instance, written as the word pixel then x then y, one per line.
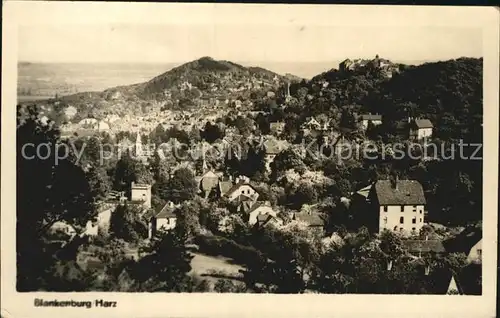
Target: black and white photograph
pixel 276 157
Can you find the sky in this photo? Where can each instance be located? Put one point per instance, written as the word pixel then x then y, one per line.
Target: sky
pixel 260 33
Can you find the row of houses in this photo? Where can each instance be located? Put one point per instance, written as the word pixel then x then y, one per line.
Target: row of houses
pixel 416 128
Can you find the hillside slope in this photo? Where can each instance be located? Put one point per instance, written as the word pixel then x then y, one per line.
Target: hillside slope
pixel 208 76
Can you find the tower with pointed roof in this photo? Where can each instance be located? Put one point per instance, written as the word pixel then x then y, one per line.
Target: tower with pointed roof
pixel 138 145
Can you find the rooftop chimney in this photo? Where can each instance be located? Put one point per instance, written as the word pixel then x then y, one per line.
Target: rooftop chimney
pixel 394 181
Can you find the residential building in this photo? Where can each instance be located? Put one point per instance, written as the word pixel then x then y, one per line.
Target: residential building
pixel 208 182
pixel 420 129
pixel 101 225
pixel 277 128
pixel 373 118
pixel 313 219
pixel 399 205
pixel 166 219
pixel 141 193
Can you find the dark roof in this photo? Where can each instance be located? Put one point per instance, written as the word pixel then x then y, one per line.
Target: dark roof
pixel 271 147
pixel 371 117
pixel 408 192
pixel 225 186
pixel 312 219
pixel 469 279
pixel 244 198
pixel 263 219
pixel 166 212
pixel 424 246
pixel 423 123
pixel 402 125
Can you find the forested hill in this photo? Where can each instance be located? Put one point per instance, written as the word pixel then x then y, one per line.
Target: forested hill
pixel 449 93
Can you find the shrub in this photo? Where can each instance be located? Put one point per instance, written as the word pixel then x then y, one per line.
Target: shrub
pixel 216 245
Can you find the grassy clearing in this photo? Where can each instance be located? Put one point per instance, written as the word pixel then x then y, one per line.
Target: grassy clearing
pixel 214 267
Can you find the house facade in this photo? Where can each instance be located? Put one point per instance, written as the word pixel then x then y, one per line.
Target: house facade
pixel 399 205
pixel 103 221
pixel 141 193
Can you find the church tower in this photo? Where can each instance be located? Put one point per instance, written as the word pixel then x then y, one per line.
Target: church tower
pixel 138 145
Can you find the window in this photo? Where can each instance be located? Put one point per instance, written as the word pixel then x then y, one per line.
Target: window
pixel 413 229
pixel 401 220
pixel 402 208
pixel 414 208
pixel 385 208
pixel 420 220
pixel 242 191
pixel 479 252
pixel 414 220
pixel 385 220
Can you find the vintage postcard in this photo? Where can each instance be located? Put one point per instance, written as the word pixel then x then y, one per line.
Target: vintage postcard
pixel 202 160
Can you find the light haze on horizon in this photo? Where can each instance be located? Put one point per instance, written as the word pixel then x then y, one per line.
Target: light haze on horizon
pixel 128 43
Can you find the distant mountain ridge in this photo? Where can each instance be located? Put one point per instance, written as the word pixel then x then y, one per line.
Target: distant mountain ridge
pixel 204 74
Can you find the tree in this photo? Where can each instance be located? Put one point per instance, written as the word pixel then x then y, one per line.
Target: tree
pixel 254 165
pixel 348 120
pixel 181 187
pixel 158 135
pixel 289 256
pixel 143 173
pixel 232 163
pixel 303 194
pixel 99 182
pixel 244 125
pixel 228 286
pixel 59 192
pixel 194 135
pixel 160 165
pixel 167 263
pixel 188 218
pixel 124 173
pixel 286 160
